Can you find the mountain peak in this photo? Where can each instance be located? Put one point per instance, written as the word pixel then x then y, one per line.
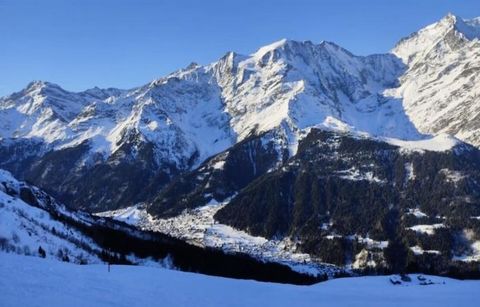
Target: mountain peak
pixel 411 48
pixel 192 65
pixel 468 28
pixel 288 49
pixel 284 44
pixel 450 18
pixel 39 85
pixel 270 47
pixel 42 88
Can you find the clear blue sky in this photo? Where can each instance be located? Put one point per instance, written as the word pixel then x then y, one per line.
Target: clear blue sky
pixel 84 43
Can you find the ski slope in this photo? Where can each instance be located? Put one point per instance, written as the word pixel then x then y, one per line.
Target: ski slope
pixel 32 281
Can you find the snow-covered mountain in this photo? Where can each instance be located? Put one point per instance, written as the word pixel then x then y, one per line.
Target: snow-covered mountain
pixel 174 123
pixel 385 130
pixel 202 110
pixel 440 90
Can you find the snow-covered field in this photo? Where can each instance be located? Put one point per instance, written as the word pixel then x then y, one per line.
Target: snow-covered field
pixel 32 281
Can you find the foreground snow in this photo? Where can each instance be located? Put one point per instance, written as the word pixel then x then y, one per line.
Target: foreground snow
pixel 31 281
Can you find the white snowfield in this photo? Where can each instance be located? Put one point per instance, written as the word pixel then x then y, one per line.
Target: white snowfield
pixel 32 281
pixel 441 142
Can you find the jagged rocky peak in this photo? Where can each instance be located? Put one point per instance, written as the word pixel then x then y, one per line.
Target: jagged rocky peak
pixel 292 51
pixel 469 28
pixel 38 85
pixel 450 28
pixel 326 64
pixel 275 49
pixel 192 65
pixel 36 88
pixel 300 84
pixel 290 46
pixel 438 89
pixel 43 93
pixel 39 102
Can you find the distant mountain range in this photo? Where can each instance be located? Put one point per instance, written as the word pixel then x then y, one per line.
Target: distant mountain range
pixel 364 162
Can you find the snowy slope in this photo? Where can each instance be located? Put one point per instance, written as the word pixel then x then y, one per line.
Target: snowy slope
pixel 25 228
pixel 28 281
pixel 441 142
